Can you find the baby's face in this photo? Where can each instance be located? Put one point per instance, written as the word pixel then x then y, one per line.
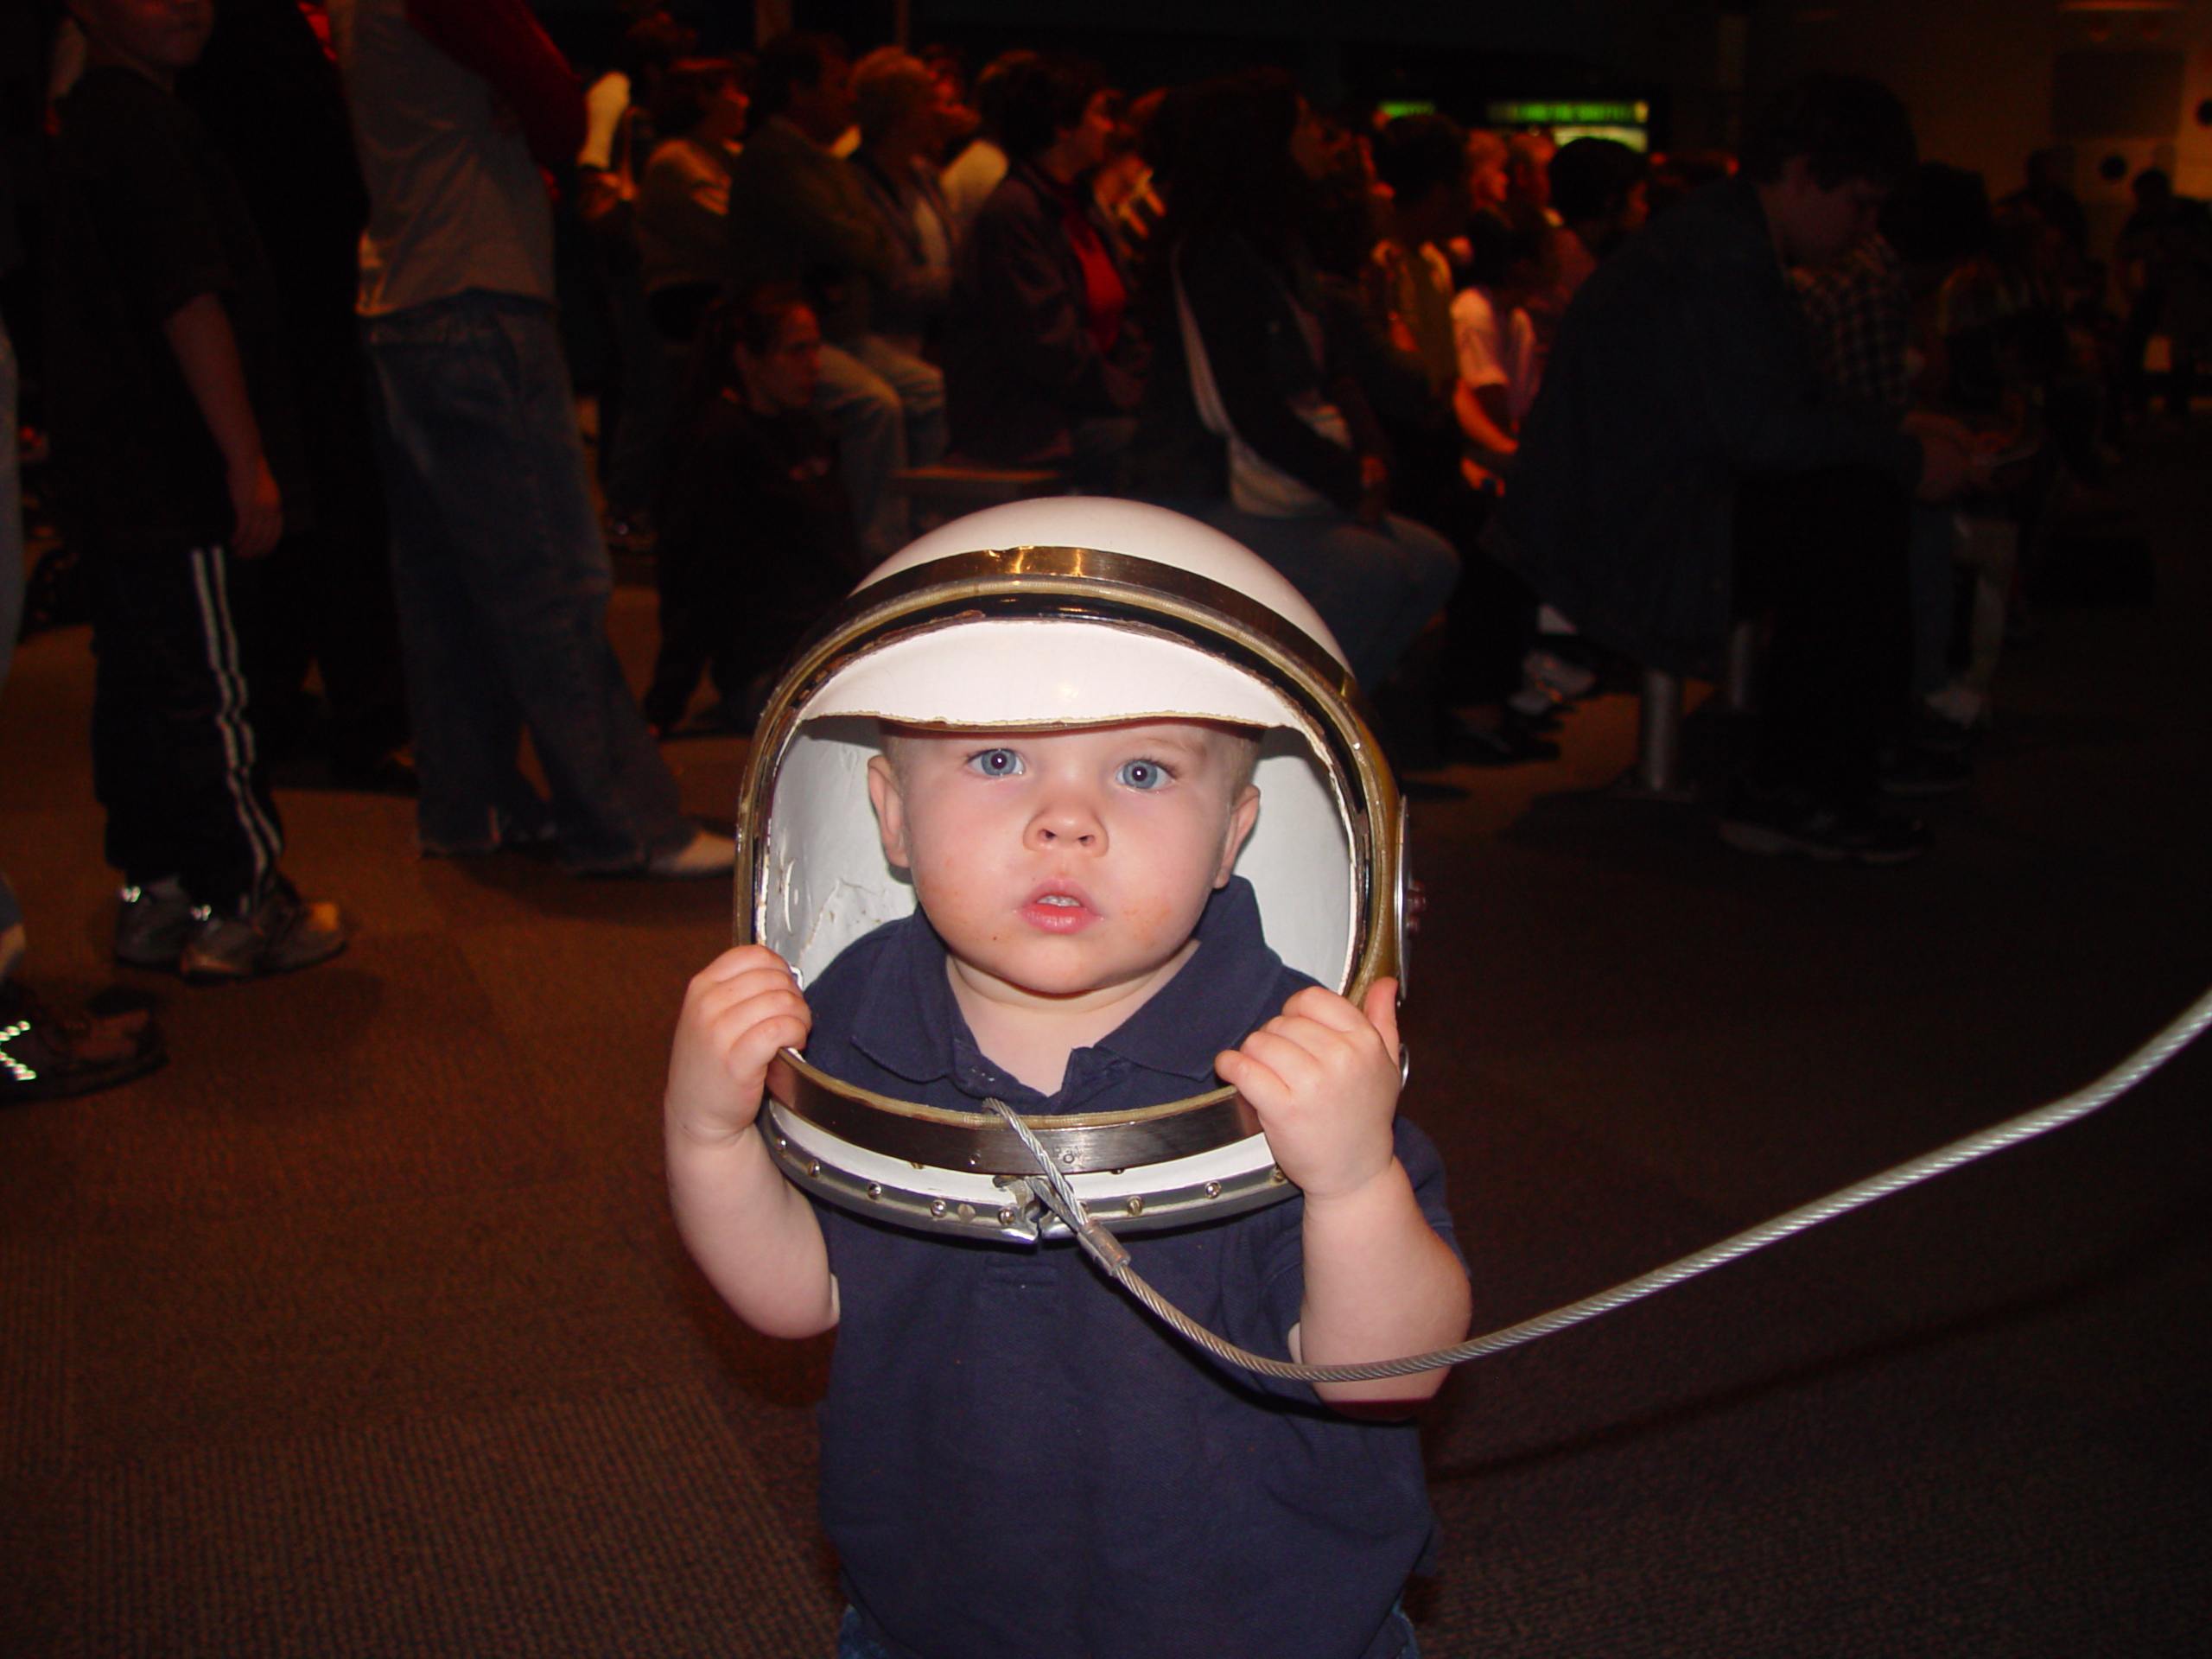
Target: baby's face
pixel 1065 862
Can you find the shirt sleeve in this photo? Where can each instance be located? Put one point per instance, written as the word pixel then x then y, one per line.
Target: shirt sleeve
pixel 1474 332
pixel 151 205
pixel 503 42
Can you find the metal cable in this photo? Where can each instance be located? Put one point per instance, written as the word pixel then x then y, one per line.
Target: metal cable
pixel 1058 1195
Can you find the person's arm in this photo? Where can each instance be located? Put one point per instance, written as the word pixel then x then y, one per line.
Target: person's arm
pixel 751 1231
pixel 1484 417
pixel 821 205
pixel 685 196
pixel 502 42
pixel 1379 1283
pixel 206 349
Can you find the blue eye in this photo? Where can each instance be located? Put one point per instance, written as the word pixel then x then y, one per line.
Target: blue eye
pixel 1141 774
pixel 996 763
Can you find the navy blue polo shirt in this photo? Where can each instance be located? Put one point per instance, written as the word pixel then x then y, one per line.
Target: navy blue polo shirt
pixel 1015 1460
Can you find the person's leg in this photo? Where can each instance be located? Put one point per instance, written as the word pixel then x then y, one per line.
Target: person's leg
pixel 1828 553
pixel 1375 588
pixel 174 758
pixel 864 412
pixel 11 604
pixel 1933 570
pixel 688 617
pixel 495 438
pixel 468 729
pixel 920 387
pixel 634 453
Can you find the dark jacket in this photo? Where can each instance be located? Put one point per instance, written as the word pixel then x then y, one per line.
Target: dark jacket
pixel 1682 368
pixel 1021 365
pixel 1257 347
pixel 800 214
pixel 911 299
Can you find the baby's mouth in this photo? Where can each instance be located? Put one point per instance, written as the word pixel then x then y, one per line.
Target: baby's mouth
pixel 1058 912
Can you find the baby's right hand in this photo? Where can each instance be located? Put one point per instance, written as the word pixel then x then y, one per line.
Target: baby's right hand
pixel 740 1009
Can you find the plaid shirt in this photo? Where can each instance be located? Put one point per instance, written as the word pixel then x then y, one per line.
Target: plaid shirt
pixel 1860 313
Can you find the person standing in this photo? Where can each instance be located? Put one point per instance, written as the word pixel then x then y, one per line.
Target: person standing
pixel 174 451
pixel 501 572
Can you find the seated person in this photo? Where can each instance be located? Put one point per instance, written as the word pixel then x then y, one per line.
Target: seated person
pixel 1083 943
pixel 1253 417
pixel 906 115
pixel 682 214
pixel 1685 460
pixel 756 538
pixel 1044 361
pixel 799 213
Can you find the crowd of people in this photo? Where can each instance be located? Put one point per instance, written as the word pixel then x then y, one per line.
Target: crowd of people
pixel 312 279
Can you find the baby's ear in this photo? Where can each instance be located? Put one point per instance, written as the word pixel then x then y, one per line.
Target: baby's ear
pixel 1241 816
pixel 890 810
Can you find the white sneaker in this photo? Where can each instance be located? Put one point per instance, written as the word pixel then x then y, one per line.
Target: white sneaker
pixel 705 853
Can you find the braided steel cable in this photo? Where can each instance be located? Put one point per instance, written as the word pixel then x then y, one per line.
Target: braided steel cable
pixel 1058 1195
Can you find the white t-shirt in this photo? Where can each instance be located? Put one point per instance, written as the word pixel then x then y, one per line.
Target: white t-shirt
pixel 1492 354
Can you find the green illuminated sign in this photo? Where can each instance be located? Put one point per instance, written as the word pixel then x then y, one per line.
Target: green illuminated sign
pixel 1545 114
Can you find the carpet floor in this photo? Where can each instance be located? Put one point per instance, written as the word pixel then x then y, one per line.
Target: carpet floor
pixel 361 1329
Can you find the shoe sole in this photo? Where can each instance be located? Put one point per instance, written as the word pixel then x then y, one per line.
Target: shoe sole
pixel 1769 843
pixel 1909 790
pixel 204 976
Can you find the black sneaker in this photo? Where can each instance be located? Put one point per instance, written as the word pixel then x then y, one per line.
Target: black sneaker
pixel 1756 821
pixel 274 934
pixel 1914 771
pixel 49 1053
pixel 153 924
pixel 1512 742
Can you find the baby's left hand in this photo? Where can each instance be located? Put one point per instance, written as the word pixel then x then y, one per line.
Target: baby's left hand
pixel 1323 1075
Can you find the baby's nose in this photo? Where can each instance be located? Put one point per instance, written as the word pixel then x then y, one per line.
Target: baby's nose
pixel 1068 821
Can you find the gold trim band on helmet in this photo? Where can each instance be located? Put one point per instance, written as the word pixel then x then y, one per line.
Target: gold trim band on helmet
pixel 1075 585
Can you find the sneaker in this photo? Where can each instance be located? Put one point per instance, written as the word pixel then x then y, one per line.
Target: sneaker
pixel 1756 821
pixel 277 933
pixel 49 1053
pixel 1912 771
pixel 1557 672
pixel 1511 743
pixel 705 853
pixel 153 924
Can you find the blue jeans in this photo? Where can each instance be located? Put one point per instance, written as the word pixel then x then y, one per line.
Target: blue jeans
pixel 502 582
pixel 855 1642
pixel 1375 588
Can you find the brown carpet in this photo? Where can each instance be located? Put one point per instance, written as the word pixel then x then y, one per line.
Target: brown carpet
pixel 361 1330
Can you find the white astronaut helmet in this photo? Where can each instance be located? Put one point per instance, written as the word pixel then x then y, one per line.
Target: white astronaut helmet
pixel 1062 611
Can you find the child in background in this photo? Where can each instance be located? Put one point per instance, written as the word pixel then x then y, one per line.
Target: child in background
pixel 1013 1460
pixel 1499 365
pixel 177 452
pixel 756 535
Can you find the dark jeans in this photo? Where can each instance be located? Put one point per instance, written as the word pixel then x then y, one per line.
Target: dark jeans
pixel 174 757
pixel 1825 555
pixel 502 582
